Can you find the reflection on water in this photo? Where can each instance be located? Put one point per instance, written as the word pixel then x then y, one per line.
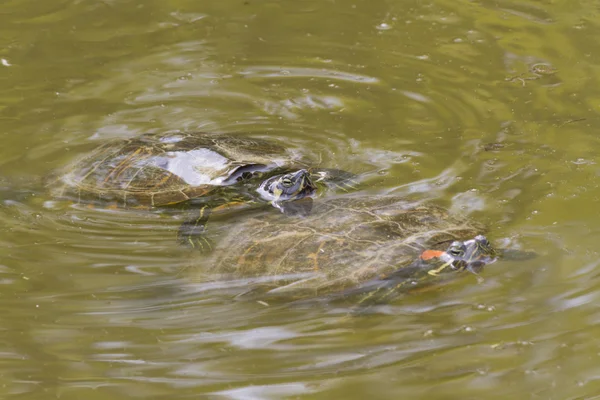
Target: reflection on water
pixel 487 108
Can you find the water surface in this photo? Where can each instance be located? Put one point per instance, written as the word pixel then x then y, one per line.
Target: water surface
pixel 440 100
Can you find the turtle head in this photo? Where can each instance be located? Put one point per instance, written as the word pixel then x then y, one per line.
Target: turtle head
pixel 286 187
pixel 471 254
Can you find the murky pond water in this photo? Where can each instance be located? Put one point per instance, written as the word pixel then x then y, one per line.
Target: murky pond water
pixel 488 108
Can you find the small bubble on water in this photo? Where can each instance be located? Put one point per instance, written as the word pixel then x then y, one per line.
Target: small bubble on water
pixel 458 40
pixel 5 62
pixel 383 27
pixel 582 161
pixel 50 204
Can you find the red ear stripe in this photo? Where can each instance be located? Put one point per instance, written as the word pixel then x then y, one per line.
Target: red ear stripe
pixel 429 254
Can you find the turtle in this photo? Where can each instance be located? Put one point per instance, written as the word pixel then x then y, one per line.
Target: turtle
pixel 201 170
pixel 349 244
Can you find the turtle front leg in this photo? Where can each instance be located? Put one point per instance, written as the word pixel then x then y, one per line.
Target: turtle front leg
pixel 193 232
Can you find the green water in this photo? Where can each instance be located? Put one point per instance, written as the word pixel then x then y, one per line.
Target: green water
pixel 437 99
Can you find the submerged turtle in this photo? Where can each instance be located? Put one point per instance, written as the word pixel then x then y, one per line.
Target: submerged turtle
pixel 348 244
pixel 210 169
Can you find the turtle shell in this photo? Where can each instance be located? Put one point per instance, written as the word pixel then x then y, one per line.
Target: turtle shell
pixel 344 242
pixel 157 170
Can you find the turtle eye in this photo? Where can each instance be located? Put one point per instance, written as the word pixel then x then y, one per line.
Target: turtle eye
pixel 456 249
pixel 287 182
pixel 455 252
